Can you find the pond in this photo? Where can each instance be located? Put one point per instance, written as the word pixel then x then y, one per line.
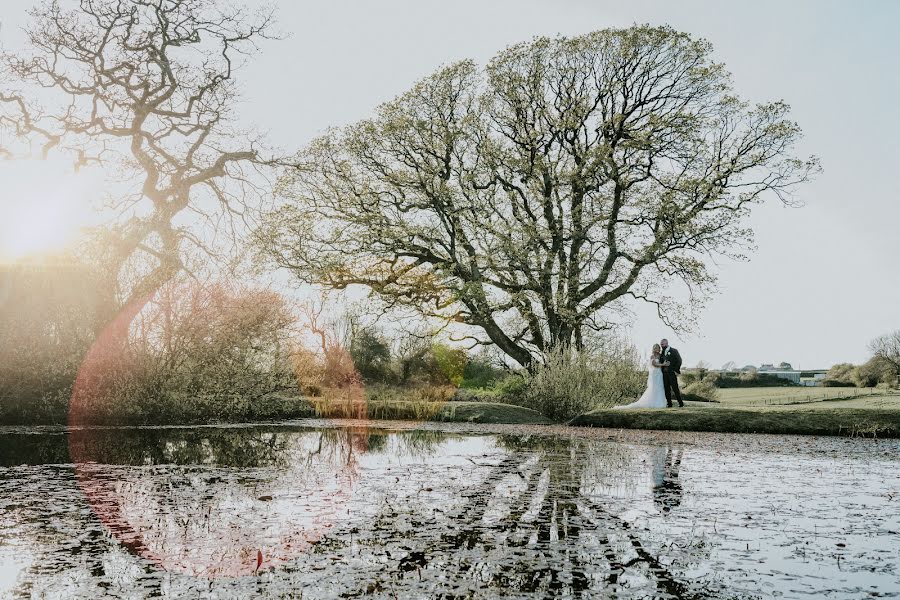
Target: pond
pixel 320 509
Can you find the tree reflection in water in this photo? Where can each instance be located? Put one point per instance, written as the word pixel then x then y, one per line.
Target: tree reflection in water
pixel 216 503
pixel 416 512
pixel 537 522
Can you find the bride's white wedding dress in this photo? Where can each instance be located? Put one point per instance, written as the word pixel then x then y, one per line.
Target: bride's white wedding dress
pixel 655 394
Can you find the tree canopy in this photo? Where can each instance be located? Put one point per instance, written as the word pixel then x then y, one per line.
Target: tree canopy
pixel 531 198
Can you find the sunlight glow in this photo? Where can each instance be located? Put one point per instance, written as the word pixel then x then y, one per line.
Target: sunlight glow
pixel 44 205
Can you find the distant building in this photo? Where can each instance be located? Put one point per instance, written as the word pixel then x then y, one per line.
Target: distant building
pixel 782 370
pixel 792 376
pixel 786 371
pixel 769 368
pixel 812 378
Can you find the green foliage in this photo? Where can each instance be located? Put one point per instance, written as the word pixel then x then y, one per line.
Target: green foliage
pixel 193 354
pixel 837 383
pixel 451 362
pixel 840 375
pixel 49 316
pixel 701 391
pixel 424 393
pixel 873 372
pixel 371 355
pixel 878 370
pixel 886 350
pixel 748 379
pixel 476 395
pixel 512 387
pixel 481 372
pixel 570 383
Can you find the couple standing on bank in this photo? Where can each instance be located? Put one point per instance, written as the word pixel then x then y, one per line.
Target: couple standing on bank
pixel 662 378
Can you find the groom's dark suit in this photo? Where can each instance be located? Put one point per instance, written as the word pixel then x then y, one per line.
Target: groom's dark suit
pixel 670 374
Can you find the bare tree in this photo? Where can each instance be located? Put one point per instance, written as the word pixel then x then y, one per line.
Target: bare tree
pixel 532 198
pixel 147 86
pixel 887 349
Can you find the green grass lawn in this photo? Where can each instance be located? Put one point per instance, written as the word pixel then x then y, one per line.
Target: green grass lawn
pixel 812 411
pixel 790 395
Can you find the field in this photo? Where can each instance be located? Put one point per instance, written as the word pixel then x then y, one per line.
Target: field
pixel 805 411
pixel 769 396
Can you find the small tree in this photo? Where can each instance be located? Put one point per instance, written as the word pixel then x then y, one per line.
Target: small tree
pixel 451 362
pixel 49 314
pixel 841 373
pixel 887 349
pixel 194 352
pixel 371 354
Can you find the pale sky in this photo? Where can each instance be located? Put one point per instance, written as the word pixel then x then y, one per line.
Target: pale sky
pixel 824 280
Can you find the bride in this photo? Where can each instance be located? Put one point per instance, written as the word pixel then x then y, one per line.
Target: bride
pixel 655 394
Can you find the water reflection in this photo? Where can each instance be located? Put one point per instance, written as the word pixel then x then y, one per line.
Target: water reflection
pixel 666 485
pixel 343 512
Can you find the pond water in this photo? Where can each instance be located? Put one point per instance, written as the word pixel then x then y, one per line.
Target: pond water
pixel 347 509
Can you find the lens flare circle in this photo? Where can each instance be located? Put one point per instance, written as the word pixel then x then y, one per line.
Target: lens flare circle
pixel 241 538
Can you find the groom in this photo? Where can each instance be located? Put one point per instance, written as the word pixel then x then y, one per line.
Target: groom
pixel 671 373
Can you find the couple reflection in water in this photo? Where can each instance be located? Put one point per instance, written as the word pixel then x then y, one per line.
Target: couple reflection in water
pixel 667 492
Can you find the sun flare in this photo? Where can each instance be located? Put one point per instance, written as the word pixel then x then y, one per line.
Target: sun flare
pixel 45 205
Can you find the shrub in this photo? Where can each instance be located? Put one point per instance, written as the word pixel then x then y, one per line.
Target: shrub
pixel 512 387
pixel 49 317
pixel 837 383
pixel 569 384
pixel 475 395
pixel 371 355
pixel 195 353
pixel 416 364
pixel 481 372
pixel 745 380
pixel 425 393
pixel 876 370
pixel 701 391
pixel 451 362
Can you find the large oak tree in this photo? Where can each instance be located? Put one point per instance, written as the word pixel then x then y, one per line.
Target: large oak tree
pixel 532 197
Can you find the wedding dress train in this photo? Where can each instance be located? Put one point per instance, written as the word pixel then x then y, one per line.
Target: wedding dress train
pixel 655 394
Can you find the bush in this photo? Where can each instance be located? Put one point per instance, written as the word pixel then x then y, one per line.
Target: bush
pixel 450 361
pixel 701 391
pixel 837 383
pixel 195 354
pixel 481 372
pixel 512 387
pixel 841 373
pixel 49 317
pixel 749 379
pixel 569 384
pixel 425 393
pixel 876 370
pixel 417 365
pixel 371 355
pixel 475 395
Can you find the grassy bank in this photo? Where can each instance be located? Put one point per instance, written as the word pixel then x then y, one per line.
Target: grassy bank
pixel 451 412
pixel 859 415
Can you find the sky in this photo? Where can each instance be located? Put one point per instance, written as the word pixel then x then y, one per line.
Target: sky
pixel 823 281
